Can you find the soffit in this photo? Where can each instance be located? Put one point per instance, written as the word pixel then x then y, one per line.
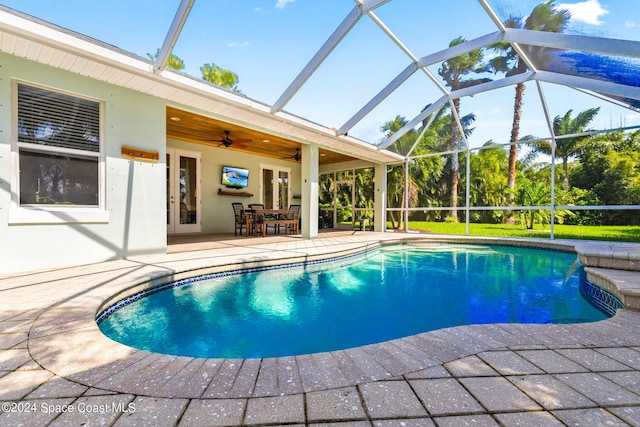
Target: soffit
pixel 187 126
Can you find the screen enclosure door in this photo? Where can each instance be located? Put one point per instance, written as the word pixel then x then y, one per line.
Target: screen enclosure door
pixel 183 191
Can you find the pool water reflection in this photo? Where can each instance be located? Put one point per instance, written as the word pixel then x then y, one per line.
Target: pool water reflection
pixel 388 293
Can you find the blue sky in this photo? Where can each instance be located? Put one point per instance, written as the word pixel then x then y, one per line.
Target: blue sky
pixel 267 42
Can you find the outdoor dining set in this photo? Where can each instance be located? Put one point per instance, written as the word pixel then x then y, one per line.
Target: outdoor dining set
pixel 256 220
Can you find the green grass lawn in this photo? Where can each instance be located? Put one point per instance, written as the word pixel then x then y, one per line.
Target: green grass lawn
pixel 582 232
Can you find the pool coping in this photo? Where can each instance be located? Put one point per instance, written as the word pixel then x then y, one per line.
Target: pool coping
pixel 65 338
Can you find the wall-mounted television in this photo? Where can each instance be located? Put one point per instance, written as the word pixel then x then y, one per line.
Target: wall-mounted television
pixel 235 177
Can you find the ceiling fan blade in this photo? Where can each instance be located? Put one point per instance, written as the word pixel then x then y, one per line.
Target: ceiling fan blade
pixel 241 140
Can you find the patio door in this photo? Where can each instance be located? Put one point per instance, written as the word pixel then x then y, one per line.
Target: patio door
pixel 275 184
pixel 183 191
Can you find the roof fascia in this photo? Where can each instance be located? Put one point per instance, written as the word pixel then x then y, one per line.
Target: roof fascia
pixel 69 42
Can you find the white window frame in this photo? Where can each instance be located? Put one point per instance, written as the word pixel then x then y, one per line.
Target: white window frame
pixel 48 214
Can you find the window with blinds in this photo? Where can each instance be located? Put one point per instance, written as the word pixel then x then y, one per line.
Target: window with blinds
pixel 59 148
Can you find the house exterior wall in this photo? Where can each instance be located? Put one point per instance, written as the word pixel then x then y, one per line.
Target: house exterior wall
pixel 134 191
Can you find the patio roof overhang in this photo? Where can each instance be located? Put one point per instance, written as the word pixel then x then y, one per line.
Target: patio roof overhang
pixel 27 37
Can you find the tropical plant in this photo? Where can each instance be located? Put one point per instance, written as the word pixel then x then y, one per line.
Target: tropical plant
pixel 544 17
pixel 220 76
pixel 534 194
pixel 454 71
pixel 609 169
pixel 425 172
pixel 395 177
pixel 571 146
pixel 364 188
pixel 173 62
pixel 488 181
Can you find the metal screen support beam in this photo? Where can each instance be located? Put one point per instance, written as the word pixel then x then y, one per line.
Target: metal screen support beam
pixel 172 36
pixel 456 116
pixel 424 130
pixel 614 47
pixel 472 90
pixel 496 19
pixel 405 213
pixel 553 156
pixel 467 195
pixel 376 100
pixel 414 122
pixel 415 65
pixel 343 29
pixel 586 83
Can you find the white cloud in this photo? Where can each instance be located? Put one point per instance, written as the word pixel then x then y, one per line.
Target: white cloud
pixel 236 44
pixel 632 119
pixel 281 4
pixel 588 11
pixel 494 111
pixel 629 24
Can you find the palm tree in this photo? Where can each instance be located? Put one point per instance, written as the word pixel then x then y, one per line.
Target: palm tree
pixel 572 146
pixel 487 180
pixel 534 193
pixel 225 78
pixel 424 172
pixel 544 17
pixel 395 178
pixel 453 72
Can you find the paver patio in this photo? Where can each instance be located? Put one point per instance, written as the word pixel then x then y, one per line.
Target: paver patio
pixel 57 369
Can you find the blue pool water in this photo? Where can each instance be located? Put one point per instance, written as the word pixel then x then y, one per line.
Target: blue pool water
pixel 386 294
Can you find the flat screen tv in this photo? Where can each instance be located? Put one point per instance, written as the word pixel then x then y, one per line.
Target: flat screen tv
pixel 235 177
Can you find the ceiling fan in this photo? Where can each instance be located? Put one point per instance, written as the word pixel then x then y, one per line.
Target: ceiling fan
pixel 226 141
pixel 297 157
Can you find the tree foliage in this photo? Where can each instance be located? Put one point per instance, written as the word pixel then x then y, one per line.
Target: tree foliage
pixel 460 72
pixel 572 146
pixel 220 76
pixel 544 17
pixel 174 61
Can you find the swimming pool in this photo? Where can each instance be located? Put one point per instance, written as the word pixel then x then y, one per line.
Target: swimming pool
pixel 384 294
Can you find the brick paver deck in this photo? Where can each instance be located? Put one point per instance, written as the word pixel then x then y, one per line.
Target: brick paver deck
pixel 56 368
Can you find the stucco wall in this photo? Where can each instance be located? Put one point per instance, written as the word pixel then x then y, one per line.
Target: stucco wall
pixel 134 190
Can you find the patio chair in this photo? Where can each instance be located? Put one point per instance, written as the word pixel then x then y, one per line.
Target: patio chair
pixel 296 210
pixel 257 206
pixel 239 219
